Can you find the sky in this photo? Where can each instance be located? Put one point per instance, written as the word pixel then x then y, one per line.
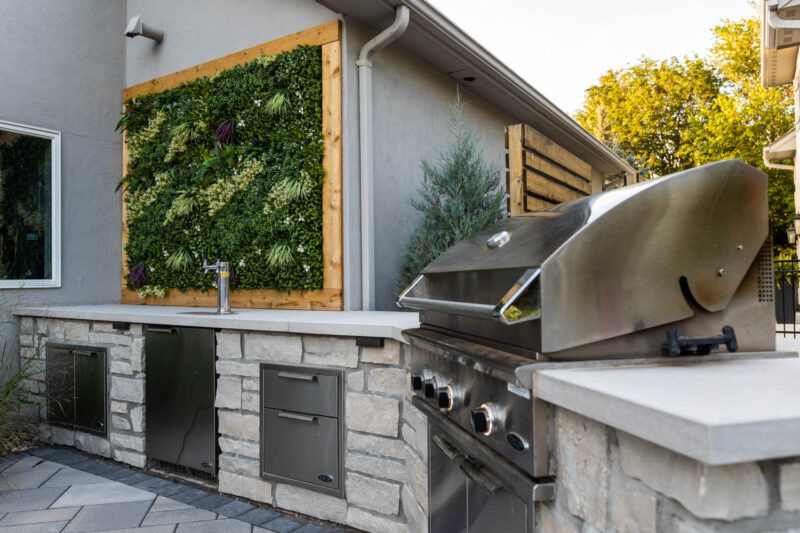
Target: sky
pixel 562 47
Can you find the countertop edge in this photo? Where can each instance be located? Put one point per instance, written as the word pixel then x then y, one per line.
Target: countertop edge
pixel 717 445
pixel 324 326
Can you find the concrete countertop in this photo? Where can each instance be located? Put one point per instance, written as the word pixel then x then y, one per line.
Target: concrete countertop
pixel 344 323
pixel 717 412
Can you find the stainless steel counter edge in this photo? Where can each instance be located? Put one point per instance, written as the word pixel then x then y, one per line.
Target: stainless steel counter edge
pixel 385 324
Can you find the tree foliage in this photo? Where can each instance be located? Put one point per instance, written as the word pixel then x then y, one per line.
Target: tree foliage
pixel 670 115
pixel 460 194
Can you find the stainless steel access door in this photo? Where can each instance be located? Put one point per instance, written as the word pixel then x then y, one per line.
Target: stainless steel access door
pixel 180 421
pixel 468 496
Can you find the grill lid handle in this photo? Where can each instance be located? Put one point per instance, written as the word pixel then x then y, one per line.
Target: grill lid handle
pixel 521 302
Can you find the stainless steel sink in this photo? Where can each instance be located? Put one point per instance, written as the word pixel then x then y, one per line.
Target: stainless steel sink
pixel 206 313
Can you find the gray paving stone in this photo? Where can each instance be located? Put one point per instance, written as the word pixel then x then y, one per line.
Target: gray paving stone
pixel 97 493
pixel 26 479
pixel 66 457
pixel 233 509
pixel 152 483
pixel 189 495
pixel 117 474
pixel 101 467
pixel 108 516
pixel 134 478
pixel 282 525
pixel 168 528
pixel 168 490
pixel 70 476
pixel 259 516
pixel 29 500
pixel 25 464
pixel 37 517
pixel 313 528
pixel 175 517
pixel 43 452
pixel 228 525
pixel 212 502
pixel 50 527
pixel 167 504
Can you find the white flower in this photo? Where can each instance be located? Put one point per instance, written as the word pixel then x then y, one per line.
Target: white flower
pixel 197 228
pixel 240 123
pixel 306 268
pixel 166 253
pixel 287 220
pixel 241 262
pixel 194 254
pixel 257 102
pixel 301 249
pixel 152 269
pixel 300 218
pixel 297 93
pixel 301 110
pixel 258 251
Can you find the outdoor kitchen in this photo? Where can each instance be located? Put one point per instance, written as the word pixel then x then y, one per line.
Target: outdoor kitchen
pixel 259 303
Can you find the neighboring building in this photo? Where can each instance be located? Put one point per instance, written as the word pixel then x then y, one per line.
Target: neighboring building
pixel 64 67
pixel 780 40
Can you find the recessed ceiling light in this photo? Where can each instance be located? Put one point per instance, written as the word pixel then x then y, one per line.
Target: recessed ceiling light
pixel 469 78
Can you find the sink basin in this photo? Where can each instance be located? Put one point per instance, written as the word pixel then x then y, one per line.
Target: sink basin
pixel 206 313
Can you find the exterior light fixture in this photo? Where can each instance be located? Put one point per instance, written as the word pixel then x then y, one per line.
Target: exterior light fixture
pixel 137 27
pixel 794 230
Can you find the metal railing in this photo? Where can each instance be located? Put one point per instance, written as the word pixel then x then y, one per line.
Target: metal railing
pixel 787 282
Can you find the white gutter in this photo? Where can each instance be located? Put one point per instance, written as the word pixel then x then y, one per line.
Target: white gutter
pixel 364 64
pixel 769 164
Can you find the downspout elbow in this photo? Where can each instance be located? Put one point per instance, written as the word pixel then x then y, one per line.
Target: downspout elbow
pixel 385 38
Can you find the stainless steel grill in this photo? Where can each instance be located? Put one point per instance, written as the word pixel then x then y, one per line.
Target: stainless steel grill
pixel 680 265
pixel 608 275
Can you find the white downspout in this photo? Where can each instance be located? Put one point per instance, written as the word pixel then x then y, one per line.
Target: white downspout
pixel 364 64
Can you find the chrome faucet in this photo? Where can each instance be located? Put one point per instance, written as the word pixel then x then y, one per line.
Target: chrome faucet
pixel 223 270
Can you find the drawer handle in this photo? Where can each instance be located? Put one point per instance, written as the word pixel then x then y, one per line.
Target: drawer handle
pixel 83 352
pixel 170 331
pixel 295 416
pixel 300 377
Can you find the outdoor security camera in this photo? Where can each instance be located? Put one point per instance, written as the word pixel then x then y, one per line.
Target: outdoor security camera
pixel 137 27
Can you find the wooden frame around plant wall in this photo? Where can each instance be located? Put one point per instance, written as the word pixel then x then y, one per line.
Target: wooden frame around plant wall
pixel 329 298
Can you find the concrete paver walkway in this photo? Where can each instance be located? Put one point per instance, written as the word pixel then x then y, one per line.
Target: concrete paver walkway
pixel 58 490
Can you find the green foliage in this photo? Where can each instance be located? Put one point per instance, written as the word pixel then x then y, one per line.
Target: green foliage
pixel 14 396
pixel 197 185
pixel 666 116
pixel 460 194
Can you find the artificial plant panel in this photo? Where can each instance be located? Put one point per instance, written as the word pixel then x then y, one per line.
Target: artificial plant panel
pixel 230 162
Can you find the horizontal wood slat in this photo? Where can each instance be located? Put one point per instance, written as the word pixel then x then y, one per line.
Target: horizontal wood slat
pixel 534 204
pixel 318 35
pixel 533 140
pixel 543 166
pixel 541 186
pixel 323 300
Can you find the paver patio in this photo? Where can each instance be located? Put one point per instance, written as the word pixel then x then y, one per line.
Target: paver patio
pixel 59 490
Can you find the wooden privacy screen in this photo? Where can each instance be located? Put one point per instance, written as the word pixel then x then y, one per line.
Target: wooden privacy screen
pixel 540 173
pixel 328 36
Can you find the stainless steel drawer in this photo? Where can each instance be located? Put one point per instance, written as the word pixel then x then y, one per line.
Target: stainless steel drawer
pixel 301 448
pixel 305 390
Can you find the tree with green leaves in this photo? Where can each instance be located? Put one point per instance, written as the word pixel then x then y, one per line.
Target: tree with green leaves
pixel 460 194
pixel 667 116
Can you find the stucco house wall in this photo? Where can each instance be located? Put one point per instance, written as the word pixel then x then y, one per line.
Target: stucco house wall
pixel 411 102
pixel 63 69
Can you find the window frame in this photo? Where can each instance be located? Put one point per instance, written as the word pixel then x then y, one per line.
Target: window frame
pixel 55 207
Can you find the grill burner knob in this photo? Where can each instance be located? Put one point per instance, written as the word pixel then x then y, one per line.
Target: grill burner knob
pixel 430 388
pixel 416 382
pixel 483 419
pixel 443 398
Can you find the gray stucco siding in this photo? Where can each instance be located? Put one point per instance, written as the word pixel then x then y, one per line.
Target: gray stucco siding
pixel 201 30
pixel 63 69
pixel 411 113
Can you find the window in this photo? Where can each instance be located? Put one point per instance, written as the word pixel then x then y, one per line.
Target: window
pixel 30 207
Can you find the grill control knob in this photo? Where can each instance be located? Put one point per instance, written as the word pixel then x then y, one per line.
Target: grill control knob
pixel 484 419
pixel 443 398
pixel 430 388
pixel 416 382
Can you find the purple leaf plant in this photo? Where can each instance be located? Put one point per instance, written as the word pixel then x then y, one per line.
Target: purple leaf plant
pixel 137 276
pixel 224 133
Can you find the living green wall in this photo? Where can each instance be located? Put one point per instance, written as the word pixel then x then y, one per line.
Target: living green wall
pixel 231 162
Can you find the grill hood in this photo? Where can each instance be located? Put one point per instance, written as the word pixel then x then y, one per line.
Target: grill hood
pixel 605 266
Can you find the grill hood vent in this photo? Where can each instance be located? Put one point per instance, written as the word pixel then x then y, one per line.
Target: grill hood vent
pixel 603 266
